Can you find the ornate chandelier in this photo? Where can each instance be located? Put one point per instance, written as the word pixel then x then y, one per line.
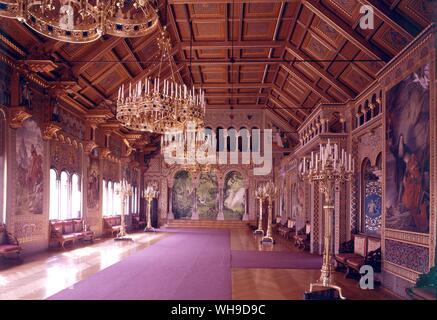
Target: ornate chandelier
pixel 158 105
pixel 192 148
pixel 80 21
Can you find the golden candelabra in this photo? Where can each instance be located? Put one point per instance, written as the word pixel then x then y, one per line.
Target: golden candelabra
pixel 261 195
pixel 271 192
pixel 150 193
pixel 328 167
pixel 124 191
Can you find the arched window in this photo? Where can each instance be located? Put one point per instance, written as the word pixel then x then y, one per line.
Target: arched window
pixel 76 197
pixel 231 140
pixel 255 139
pixel 110 200
pixel 105 198
pixel 2 166
pixel 220 139
pixel 54 195
pixel 64 196
pixel 116 202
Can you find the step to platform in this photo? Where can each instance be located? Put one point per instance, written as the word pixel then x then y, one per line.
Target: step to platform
pixel 212 224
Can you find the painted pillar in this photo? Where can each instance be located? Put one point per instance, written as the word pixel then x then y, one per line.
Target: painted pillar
pixel 220 215
pixel 170 215
pixel 245 216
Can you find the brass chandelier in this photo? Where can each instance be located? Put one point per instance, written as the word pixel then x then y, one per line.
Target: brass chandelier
pixel 81 21
pixel 160 105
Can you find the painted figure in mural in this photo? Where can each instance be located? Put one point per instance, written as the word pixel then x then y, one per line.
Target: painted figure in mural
pixel 35 173
pixel 93 189
pixel 408 153
pixel 26 98
pixel 29 161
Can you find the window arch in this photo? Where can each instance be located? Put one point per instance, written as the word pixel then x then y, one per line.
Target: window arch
pixel 2 166
pixel 231 140
pixel 105 198
pixel 76 196
pixel 255 139
pixel 220 139
pixel 54 195
pixel 65 195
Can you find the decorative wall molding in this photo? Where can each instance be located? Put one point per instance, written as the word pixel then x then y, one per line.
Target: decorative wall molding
pixel 401 272
pixel 17 116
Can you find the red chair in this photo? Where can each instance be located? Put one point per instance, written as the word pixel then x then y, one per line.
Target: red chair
pixel 8 243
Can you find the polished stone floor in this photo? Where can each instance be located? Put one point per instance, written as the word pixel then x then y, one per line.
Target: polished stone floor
pixel 44 274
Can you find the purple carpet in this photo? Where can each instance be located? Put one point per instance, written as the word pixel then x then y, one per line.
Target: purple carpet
pixel 189 264
pixel 275 260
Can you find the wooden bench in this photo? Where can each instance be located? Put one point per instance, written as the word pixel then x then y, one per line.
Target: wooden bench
pixel 64 231
pixel 137 223
pixel 111 225
pixel 361 250
pixel 287 229
pixel 303 237
pixel 8 243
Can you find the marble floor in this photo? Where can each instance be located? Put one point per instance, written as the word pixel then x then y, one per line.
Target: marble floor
pixel 44 274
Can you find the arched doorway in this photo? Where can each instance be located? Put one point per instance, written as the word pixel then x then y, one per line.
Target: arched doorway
pixel 183 195
pixel 234 196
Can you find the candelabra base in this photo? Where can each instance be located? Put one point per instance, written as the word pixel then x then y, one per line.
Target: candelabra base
pixel 330 284
pixel 259 231
pixel 267 240
pixel 123 238
pixel 150 229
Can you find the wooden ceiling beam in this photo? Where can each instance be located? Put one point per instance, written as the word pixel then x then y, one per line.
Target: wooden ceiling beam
pixel 394 19
pixel 282 123
pixel 235 95
pixel 95 52
pixel 286 109
pixel 234 85
pixel 300 55
pixel 228 44
pixel 291 101
pixel 345 30
pixel 306 82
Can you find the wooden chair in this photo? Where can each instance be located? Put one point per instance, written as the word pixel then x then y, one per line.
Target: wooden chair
pixel 8 243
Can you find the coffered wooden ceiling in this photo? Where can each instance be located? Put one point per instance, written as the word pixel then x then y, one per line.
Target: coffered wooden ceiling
pixel 286 56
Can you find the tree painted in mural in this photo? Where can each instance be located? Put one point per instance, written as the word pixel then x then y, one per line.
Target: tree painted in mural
pixel 234 196
pixel 408 153
pixel 208 196
pixel 182 197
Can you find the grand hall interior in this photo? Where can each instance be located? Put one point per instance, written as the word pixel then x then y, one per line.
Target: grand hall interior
pixel 218 150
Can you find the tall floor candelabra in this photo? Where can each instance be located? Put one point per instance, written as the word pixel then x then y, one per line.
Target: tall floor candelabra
pixel 261 195
pixel 328 167
pixel 150 193
pixel 271 192
pixel 124 191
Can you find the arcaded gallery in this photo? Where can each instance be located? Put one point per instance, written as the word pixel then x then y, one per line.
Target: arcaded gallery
pixel 218 150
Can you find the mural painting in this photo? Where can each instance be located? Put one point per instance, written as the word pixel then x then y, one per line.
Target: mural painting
pixel 234 196
pixel 93 184
pixel 208 196
pixel 182 197
pixel 29 180
pixel 408 154
pixel 297 200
